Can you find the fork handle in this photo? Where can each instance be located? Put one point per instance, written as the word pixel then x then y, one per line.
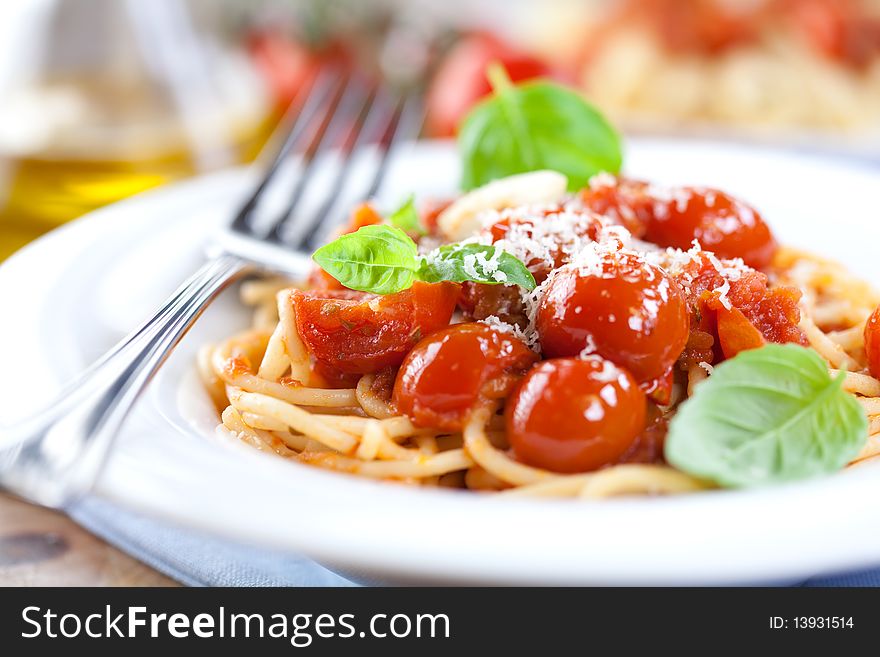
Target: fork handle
pixel 55 456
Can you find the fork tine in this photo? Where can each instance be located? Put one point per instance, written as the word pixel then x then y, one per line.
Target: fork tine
pixel 362 128
pixel 406 121
pixel 349 96
pixel 291 126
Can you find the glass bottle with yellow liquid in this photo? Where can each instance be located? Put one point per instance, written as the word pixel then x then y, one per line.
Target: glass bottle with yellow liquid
pixel 102 99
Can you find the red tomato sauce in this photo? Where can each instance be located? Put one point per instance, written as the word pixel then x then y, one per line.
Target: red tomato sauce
pixel 757 313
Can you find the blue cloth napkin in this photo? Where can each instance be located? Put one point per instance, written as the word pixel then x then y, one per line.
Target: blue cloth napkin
pixel 196 559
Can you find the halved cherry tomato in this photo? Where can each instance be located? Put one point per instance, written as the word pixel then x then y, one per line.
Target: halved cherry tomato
pixel 361 333
pixel 451 372
pixel 872 342
pixel 481 300
pixel 624 309
pixel 575 415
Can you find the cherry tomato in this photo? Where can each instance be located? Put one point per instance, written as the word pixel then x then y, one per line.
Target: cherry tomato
pixel 451 372
pixel 288 65
pixel 622 199
pixel 461 79
pixel 623 309
pixel 575 415
pixel 361 333
pixel 554 229
pixel 677 216
pixel 872 343
pixel 722 224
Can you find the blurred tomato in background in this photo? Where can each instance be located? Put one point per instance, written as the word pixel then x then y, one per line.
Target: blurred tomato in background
pixel 460 81
pixel 844 30
pixel 285 65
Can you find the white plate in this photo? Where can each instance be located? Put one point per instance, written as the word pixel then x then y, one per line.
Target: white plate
pixel 70 295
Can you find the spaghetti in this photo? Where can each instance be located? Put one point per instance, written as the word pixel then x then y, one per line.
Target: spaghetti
pixel 277 392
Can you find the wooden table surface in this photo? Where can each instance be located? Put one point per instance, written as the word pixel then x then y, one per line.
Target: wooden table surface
pixel 39 547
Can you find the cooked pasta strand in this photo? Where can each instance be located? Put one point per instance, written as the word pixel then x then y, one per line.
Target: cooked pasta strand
pixel 827 348
pixel 493 460
pixel 425 466
pixel 295 418
pixel 860 384
pixel 274 364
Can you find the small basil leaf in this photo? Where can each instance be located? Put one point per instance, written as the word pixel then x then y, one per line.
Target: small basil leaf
pixel 769 415
pixel 406 217
pixel 532 126
pixel 475 262
pixel 380 259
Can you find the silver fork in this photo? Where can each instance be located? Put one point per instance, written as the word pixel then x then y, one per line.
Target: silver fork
pixel 55 456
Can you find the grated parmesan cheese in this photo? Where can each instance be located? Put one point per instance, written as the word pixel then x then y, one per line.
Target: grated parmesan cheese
pixel 589 349
pixel 602 179
pixel 722 294
pixel 469 263
pixel 501 326
pixel 541 234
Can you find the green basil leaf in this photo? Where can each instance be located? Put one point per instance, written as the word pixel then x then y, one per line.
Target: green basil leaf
pixel 532 126
pixel 475 262
pixel 406 217
pixel 380 259
pixel 769 415
pixel 383 260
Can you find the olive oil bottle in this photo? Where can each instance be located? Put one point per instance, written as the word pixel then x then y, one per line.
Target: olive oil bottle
pixel 103 99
